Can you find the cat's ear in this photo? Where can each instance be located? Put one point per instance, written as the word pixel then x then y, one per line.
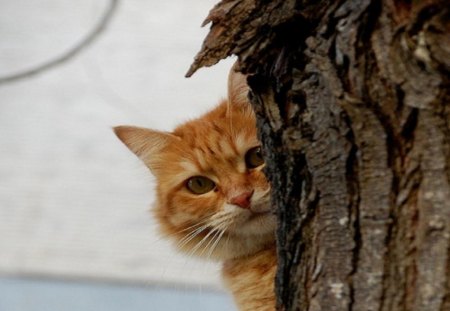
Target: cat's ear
pixel 145 143
pixel 237 87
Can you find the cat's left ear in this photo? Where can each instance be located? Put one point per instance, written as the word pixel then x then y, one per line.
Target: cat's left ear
pixel 237 87
pixel 147 144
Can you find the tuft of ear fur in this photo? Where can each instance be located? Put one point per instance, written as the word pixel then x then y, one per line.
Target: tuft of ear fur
pixel 145 143
pixel 237 87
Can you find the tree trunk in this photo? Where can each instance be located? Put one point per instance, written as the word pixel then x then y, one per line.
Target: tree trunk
pixel 352 99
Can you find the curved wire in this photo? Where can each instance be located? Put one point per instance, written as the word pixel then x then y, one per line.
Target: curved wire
pixel 85 42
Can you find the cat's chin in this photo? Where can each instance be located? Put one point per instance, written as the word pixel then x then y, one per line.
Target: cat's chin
pixel 256 224
pixel 246 244
pixel 250 235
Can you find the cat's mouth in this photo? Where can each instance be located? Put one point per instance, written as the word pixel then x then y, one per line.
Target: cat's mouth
pixel 260 210
pixel 258 216
pixel 257 221
pixel 264 212
pixel 261 207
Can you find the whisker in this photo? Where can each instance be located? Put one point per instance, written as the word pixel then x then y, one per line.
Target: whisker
pixel 201 226
pixel 222 227
pixel 199 223
pixel 214 217
pixel 192 227
pixel 226 242
pixel 217 233
pixel 214 246
pixel 199 244
pixel 202 223
pixel 217 225
pixel 188 237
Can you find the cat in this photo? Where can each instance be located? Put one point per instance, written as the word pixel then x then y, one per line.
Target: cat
pixel 212 196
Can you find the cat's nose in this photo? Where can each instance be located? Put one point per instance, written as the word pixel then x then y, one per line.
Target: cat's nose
pixel 242 200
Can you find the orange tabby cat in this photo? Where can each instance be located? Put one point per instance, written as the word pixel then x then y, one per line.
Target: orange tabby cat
pixel 212 196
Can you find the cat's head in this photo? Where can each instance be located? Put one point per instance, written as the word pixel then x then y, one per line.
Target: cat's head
pixel 212 196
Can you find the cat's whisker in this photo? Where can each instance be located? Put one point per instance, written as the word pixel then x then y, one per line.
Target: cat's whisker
pixel 190 236
pixel 217 220
pixel 218 226
pixel 211 240
pixel 197 224
pixel 199 244
pixel 213 247
pixel 202 223
pixel 226 242
pixel 222 216
pixel 226 220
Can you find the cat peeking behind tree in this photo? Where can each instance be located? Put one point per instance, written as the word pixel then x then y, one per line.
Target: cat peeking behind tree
pixel 213 199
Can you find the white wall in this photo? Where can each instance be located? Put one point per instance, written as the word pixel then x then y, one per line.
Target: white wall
pixel 73 201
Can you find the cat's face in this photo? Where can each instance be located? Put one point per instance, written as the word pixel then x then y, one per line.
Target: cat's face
pixel 212 195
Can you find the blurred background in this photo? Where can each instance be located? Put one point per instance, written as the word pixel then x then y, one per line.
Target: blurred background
pixel 75 227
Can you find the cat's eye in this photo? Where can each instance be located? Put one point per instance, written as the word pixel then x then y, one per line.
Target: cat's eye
pixel 200 184
pixel 253 157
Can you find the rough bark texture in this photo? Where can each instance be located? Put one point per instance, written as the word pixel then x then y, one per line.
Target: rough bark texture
pixel 352 99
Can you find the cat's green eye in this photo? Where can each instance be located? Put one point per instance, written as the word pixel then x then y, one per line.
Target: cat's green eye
pixel 200 184
pixel 253 157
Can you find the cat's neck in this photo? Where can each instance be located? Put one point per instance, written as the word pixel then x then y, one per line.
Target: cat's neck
pixel 251 279
pixel 268 247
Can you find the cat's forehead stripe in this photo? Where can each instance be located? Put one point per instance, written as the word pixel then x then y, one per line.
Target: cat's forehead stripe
pixel 188 166
pixel 242 144
pixel 227 148
pixel 210 155
pixel 201 159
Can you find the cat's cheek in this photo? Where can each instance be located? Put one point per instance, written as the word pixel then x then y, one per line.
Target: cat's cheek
pixel 185 208
pixel 259 180
pixel 179 219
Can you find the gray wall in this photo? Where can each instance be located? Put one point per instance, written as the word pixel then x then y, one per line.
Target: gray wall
pixel 73 201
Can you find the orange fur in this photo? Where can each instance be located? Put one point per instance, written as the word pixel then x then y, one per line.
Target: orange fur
pixel 211 224
pixel 252 277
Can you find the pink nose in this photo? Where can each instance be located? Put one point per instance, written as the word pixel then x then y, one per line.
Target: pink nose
pixel 243 199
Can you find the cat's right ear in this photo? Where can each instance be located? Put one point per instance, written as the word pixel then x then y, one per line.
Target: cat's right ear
pixel 145 143
pixel 237 87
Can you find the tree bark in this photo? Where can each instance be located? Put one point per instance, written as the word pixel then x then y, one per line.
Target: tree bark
pixel 352 99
